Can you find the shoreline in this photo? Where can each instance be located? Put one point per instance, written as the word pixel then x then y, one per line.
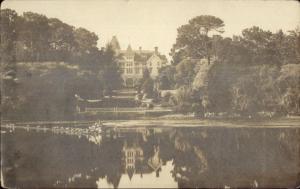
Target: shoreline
pixel 283 122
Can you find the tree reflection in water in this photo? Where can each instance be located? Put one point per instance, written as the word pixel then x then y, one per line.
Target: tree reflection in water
pixel 153 157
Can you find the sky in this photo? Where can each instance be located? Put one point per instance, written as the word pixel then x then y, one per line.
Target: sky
pixel 154 22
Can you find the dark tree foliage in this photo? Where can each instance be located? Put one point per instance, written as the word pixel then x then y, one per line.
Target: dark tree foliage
pixel 255 72
pixel 109 74
pixel 40 39
pixel 166 77
pixel 46 62
pixel 193 40
pixel 146 84
pixel 8 70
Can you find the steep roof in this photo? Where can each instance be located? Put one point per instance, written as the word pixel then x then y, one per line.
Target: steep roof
pixel 129 49
pixel 142 57
pixel 139 55
pixel 130 172
pixel 115 43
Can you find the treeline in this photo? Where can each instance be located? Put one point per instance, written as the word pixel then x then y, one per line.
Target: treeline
pixel 255 73
pixel 37 38
pixel 45 62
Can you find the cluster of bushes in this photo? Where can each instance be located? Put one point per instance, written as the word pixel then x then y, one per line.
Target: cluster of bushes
pixel 47 91
pixel 145 86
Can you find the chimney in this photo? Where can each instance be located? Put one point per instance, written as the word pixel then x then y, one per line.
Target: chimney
pixel 140 49
pixel 156 50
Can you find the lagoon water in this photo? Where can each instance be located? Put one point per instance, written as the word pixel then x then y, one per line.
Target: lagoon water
pixel 152 156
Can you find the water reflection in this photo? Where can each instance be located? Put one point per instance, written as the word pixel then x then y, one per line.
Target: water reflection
pixel 134 157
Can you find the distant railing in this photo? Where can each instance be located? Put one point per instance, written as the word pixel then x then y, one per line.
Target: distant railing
pixel 137 110
pixel 115 109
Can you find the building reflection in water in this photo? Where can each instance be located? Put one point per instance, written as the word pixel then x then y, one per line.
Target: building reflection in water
pixel 151 157
pixel 142 164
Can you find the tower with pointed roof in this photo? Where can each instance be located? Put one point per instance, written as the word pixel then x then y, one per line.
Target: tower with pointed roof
pixel 115 44
pixel 129 49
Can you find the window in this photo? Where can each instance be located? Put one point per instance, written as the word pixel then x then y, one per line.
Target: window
pixel 129 64
pixel 130 154
pixel 129 70
pixel 137 70
pixel 129 57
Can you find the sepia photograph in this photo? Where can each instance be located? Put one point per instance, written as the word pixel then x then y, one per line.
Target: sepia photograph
pixel 150 94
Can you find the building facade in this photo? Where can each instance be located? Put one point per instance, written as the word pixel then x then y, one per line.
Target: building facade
pixel 132 63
